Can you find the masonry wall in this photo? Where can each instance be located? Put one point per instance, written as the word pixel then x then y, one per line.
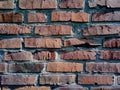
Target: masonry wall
pixel 59 44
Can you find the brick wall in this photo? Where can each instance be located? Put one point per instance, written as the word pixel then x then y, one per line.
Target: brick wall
pixel 59 44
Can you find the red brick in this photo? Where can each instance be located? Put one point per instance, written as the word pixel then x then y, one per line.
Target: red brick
pixel 61 16
pixel 79 55
pixel 3 67
pixel 10 43
pixel 25 67
pixel 95 79
pixel 11 17
pixel 37 4
pixel 20 56
pixel 71 87
pixel 45 55
pixel 103 67
pixel 106 16
pixel 102 88
pixel 71 4
pixel 64 67
pixel 57 79
pixel 46 42
pixel 48 30
pixel 14 29
pixel 80 42
pixel 79 17
pixel 98 30
pixel 34 88
pixel 36 17
pixel 69 16
pixel 105 3
pixel 112 43
pixel 7 4
pixel 110 55
pixel 18 79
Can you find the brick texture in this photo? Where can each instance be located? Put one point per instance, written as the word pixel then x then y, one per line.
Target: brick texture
pixel 18 79
pixel 6 4
pixel 49 30
pixel 33 88
pixel 96 79
pixel 3 67
pixel 64 67
pixel 57 79
pixel 79 55
pixel 46 42
pixel 23 55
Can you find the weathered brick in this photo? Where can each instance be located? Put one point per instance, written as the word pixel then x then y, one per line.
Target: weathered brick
pixel 102 88
pixel 80 42
pixel 37 4
pixel 48 30
pixel 46 42
pixel 79 55
pixel 118 80
pixel 112 43
pixel 11 17
pixel 14 29
pixel 34 88
pixel 4 88
pixel 45 55
pixel 61 16
pixel 69 16
pixel 103 67
pixel 64 67
pixel 3 67
pixel 23 55
pixel 95 79
pixel 96 30
pixel 106 3
pixel 10 43
pixel 71 87
pixel 36 17
pixel 79 17
pixel 7 4
pixel 18 79
pixel 71 4
pixel 106 16
pixel 25 67
pixel 110 55
pixel 57 79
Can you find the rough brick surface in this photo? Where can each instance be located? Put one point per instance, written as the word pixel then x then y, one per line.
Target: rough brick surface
pixel 106 16
pixel 45 55
pixel 46 42
pixel 25 67
pixel 8 43
pixel 11 17
pixel 14 29
pixel 23 55
pixel 73 87
pixel 36 17
pixel 103 67
pixel 64 67
pixel 118 80
pixel 6 4
pixel 3 67
pixel 34 88
pixel 37 4
pixel 5 88
pixel 99 30
pixel 110 55
pixel 71 4
pixel 70 16
pixel 95 79
pixel 112 43
pixel 80 42
pixel 57 79
pixel 18 79
pixel 49 30
pixel 79 55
